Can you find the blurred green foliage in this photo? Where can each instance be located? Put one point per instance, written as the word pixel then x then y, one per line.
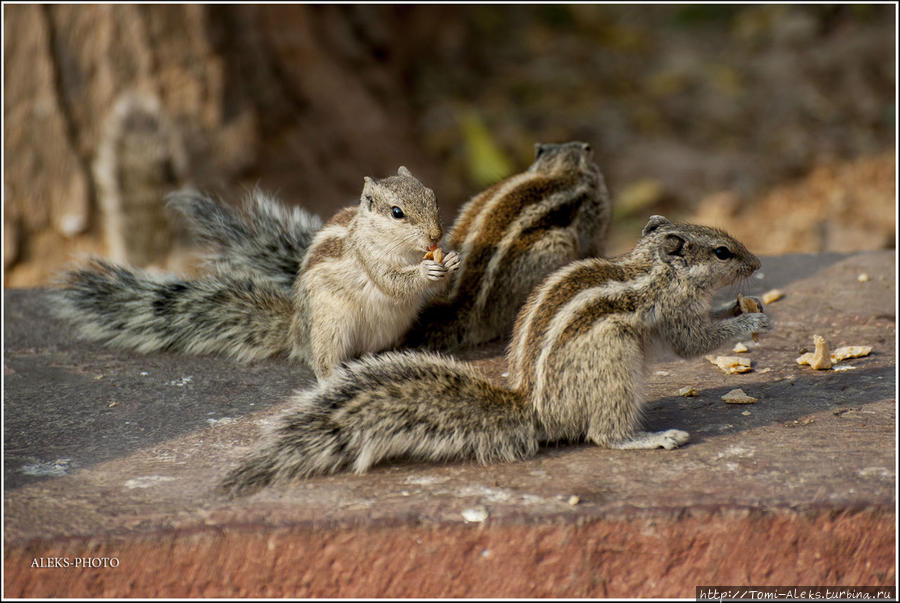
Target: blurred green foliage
pixel 700 98
pixel 486 161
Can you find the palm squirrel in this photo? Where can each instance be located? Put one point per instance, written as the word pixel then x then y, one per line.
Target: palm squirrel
pixel 361 283
pixel 510 237
pixel 577 362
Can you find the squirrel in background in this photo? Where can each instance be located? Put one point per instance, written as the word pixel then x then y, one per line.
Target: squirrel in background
pixel 360 284
pixel 510 237
pixel 577 363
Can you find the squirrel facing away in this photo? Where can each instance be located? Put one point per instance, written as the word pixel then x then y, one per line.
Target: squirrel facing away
pixel 510 237
pixel 361 283
pixel 577 363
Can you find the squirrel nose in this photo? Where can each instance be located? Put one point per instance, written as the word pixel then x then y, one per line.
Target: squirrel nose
pixel 435 234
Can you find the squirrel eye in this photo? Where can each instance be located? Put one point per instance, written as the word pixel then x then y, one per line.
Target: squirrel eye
pixel 397 213
pixel 723 253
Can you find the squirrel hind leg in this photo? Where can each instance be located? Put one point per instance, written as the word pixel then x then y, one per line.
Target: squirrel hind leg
pixel 645 440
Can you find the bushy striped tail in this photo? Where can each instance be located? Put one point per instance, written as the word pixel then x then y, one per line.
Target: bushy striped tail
pixel 263 240
pixel 414 405
pixel 242 318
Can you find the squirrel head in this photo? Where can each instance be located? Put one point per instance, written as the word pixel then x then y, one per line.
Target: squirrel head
pixel 707 257
pixel 570 156
pixel 402 205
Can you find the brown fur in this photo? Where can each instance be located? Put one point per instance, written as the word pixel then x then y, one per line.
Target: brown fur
pixel 352 288
pixel 509 238
pixel 586 371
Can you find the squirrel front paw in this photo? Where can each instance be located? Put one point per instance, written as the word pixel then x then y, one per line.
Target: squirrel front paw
pixel 432 270
pixel 756 322
pixel 435 271
pixel 451 261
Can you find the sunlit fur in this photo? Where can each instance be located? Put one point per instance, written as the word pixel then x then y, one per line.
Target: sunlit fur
pixel 510 237
pixel 577 361
pixel 361 281
pixel 262 239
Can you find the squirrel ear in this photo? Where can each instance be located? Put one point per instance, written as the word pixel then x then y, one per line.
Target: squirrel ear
pixel 654 223
pixel 538 149
pixel 366 197
pixel 673 245
pixel 402 171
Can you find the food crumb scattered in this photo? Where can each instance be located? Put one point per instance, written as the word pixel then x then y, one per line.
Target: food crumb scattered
pixel 731 364
pixel 822 359
pixel 737 396
pixel 772 296
pixel 850 351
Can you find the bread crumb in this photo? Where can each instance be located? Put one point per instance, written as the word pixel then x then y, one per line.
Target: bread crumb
pixel 850 351
pixel 823 359
pixel 740 348
pixel 574 500
pixel 772 296
pixel 863 278
pixel 731 364
pixel 822 355
pixel 436 254
pixel 687 391
pixel 737 396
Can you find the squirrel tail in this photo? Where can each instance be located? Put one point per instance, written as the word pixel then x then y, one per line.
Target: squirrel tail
pixel 421 406
pixel 244 318
pixel 264 239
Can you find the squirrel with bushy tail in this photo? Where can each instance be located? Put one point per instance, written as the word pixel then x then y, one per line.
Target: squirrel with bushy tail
pixel 577 361
pixel 282 284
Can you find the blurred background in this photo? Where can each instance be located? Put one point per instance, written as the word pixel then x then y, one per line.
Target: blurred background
pixel 776 122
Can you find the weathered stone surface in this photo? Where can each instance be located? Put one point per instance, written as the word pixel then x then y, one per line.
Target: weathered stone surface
pixel 798 491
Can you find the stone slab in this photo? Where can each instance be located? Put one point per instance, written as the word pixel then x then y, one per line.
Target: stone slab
pixel 111 454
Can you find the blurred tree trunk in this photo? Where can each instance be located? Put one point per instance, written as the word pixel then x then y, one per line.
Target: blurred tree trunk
pixel 109 107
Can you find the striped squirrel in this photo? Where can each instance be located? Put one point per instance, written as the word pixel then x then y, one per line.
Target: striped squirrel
pixel 577 363
pixel 509 238
pixel 361 283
